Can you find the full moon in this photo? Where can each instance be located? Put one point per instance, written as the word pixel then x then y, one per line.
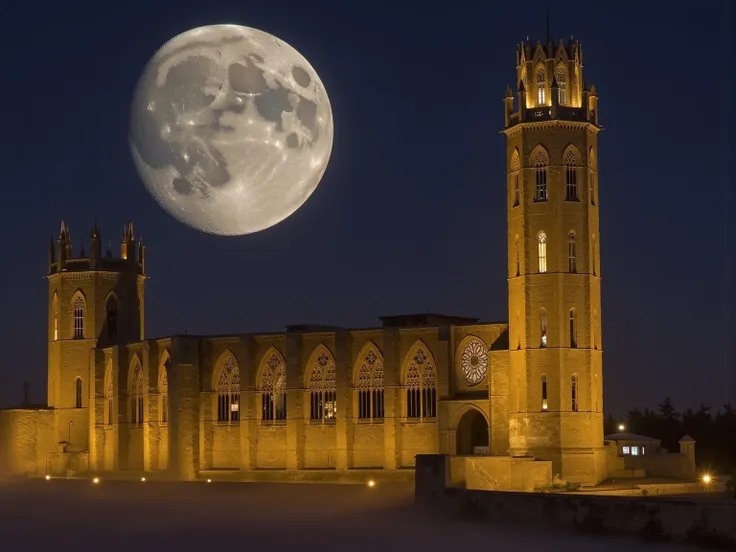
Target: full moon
pixel 231 129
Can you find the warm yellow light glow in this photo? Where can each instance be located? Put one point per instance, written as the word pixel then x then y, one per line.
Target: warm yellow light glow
pixel 48 477
pixel 209 481
pixel 621 427
pixel 143 478
pixel 706 479
pixel 96 480
pixel 371 483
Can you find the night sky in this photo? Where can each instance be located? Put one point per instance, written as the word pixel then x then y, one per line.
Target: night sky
pixel 411 213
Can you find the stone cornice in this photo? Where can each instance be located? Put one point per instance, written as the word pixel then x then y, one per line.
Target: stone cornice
pixel 546 125
pixel 87 274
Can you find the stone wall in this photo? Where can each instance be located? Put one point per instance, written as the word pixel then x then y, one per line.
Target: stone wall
pixel 710 522
pixel 27 441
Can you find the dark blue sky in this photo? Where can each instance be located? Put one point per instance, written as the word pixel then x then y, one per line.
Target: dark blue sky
pixel 410 215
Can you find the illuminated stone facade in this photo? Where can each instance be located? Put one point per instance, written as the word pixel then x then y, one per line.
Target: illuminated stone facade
pixel 337 399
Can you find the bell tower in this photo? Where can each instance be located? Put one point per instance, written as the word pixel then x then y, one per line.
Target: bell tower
pixel 95 300
pixel 555 347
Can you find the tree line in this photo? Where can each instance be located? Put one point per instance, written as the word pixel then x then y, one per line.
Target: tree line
pixel 714 431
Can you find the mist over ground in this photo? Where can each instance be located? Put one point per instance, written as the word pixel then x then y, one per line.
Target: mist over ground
pixel 123 516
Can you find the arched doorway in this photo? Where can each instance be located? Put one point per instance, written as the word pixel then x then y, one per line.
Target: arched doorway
pixel 472 431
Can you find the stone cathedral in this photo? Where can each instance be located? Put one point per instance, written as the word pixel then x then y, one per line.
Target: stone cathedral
pixel 333 399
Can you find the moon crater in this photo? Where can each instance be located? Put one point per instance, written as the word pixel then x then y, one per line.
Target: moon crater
pixel 231 129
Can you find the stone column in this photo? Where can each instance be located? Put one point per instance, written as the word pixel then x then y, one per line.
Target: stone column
pixel 392 400
pixel 344 422
pixel 248 396
pixel 184 396
pixel 294 402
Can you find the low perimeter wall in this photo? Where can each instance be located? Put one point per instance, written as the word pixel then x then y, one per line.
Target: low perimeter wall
pixel 700 522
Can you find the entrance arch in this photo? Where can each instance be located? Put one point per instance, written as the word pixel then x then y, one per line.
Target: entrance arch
pixel 472 431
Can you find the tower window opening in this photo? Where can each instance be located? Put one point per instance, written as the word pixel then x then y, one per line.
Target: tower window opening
pixel 544 392
pixel 136 397
pixel 515 167
pixel 78 310
pixel 593 255
pixel 518 256
pixel 571 260
pixel 571 176
pixel 540 177
pixel 574 392
pixel 78 393
pixel 516 189
pixel 561 86
pixel 573 330
pixel 543 328
pixel 542 251
pixel 541 87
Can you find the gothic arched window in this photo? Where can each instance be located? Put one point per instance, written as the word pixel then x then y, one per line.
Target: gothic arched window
pixel 323 388
pixel 561 77
pixel 571 259
pixel 542 251
pixel 541 87
pixel 78 308
pixel 571 175
pixel 111 321
pixel 228 390
pixel 421 391
pixel 544 392
pixel 540 175
pixel 273 387
pixel 370 386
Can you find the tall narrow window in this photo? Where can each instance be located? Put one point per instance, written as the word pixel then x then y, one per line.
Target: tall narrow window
pixel 541 87
pixel 543 328
pixel 228 391
pixel 273 388
pixel 55 316
pixel 518 256
pixel 542 251
pixel 515 166
pixel 540 176
pixel 544 392
pixel 571 260
pixel 571 176
pixel 421 393
pixel 574 392
pixel 111 321
pixel 592 175
pixel 323 390
pixel 78 310
pixel 78 393
pixel 593 255
pixel 573 330
pixel 370 387
pixel 561 77
pixel 594 329
pixel 136 396
pixel 163 391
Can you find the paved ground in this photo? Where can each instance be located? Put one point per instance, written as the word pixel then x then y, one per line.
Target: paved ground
pixel 135 516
